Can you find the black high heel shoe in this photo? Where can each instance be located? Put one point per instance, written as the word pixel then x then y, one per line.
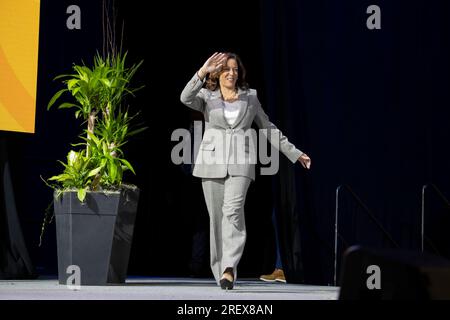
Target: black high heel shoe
pixel 226 284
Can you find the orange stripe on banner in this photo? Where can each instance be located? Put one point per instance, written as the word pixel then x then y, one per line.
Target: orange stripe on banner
pixel 14 97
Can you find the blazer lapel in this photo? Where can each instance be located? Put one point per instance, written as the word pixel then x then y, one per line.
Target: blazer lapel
pixel 217 109
pixel 243 100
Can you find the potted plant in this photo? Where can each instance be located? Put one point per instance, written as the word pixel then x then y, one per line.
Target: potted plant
pixel 95 211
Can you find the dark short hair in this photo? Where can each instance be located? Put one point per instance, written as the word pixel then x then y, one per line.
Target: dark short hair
pixel 212 81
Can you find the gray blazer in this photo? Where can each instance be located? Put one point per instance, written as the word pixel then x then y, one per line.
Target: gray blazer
pixel 229 149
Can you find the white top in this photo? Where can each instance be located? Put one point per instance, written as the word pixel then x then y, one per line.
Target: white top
pixel 231 111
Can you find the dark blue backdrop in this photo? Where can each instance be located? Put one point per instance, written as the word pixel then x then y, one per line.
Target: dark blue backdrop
pixel 370 107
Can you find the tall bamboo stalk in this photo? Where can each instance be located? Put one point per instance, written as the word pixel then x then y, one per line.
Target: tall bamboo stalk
pixel 91 126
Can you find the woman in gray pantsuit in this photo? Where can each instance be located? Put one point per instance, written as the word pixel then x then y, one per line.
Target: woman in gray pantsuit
pixel 226 157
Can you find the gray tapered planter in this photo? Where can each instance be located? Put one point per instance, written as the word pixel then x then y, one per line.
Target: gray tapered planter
pixel 95 235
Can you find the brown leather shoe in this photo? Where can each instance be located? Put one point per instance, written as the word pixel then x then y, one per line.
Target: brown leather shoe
pixel 277 275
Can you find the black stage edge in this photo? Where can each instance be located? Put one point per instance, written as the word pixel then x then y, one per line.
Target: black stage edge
pixel 222 309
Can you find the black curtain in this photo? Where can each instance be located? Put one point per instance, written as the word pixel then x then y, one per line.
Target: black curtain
pixel 369 106
pixel 15 263
pixel 371 109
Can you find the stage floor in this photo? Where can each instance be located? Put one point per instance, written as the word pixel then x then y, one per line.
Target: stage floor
pixel 137 288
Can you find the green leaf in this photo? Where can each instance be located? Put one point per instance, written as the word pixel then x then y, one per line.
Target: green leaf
pixel 71 83
pixel 81 194
pixel 132 133
pixel 93 172
pixel 64 165
pixel 112 170
pixel 63 76
pixel 78 144
pixel 67 105
pixel 93 138
pixel 127 164
pixel 105 148
pixel 55 97
pixel 75 91
pixel 60 177
pixel 106 82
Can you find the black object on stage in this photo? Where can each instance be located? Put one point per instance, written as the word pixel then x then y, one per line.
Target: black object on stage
pixel 392 274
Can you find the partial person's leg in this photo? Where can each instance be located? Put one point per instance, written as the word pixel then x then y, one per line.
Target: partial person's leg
pixel 278 263
pixel 278 273
pixel 213 190
pixel 233 222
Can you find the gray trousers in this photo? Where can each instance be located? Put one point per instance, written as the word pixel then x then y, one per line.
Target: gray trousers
pixel 225 199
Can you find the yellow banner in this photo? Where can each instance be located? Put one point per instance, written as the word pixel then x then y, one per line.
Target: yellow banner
pixel 19 41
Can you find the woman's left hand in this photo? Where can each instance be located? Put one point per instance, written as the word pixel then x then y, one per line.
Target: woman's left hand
pixel 305 161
